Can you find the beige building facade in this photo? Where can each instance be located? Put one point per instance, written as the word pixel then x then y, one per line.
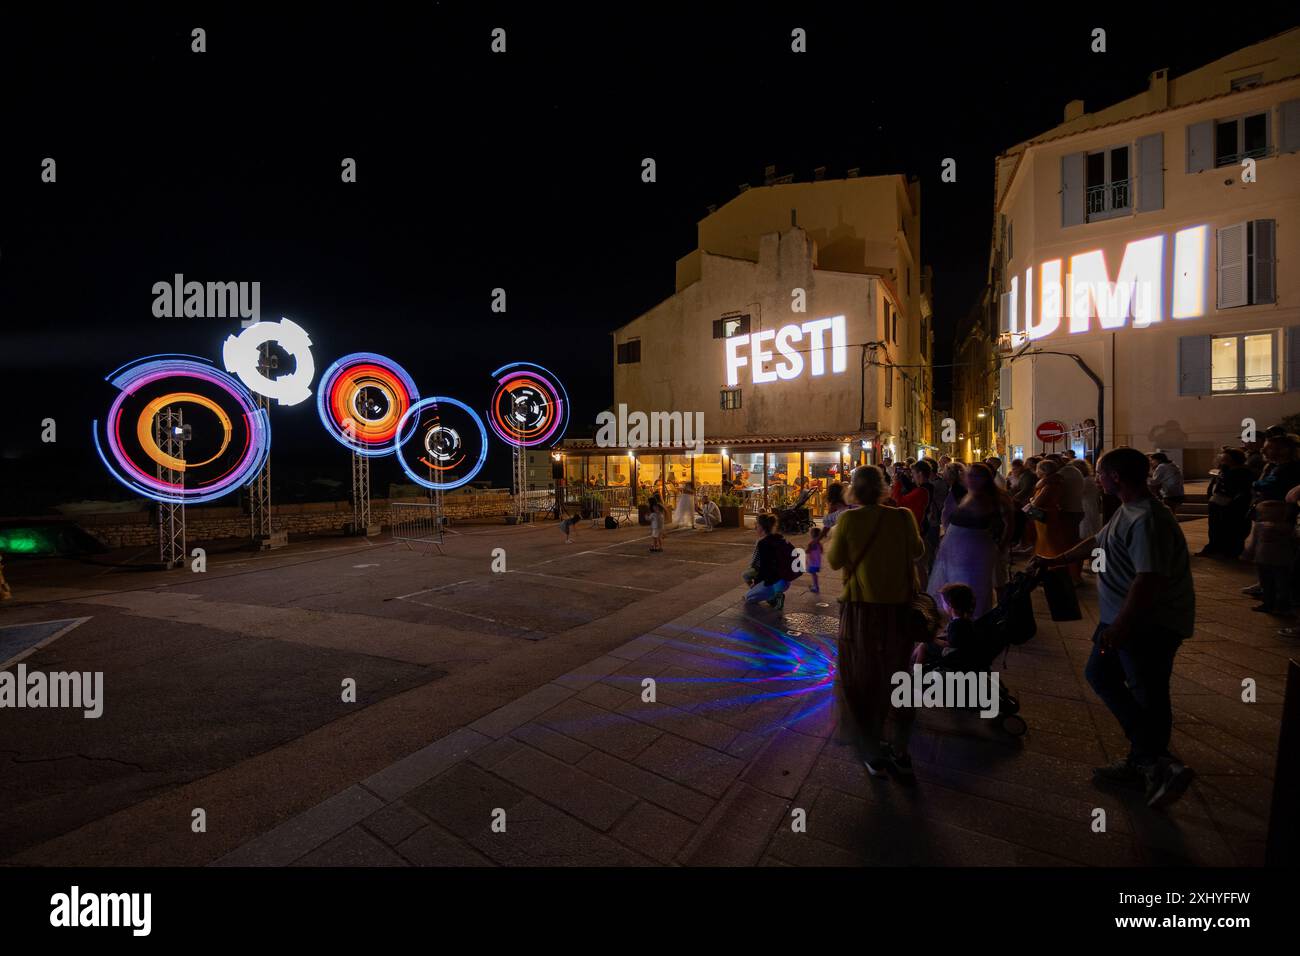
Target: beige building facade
pixel 800 330
pixel 1143 264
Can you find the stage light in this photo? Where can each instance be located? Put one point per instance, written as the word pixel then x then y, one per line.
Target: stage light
pixel 361 400
pixel 182 380
pixel 529 407
pixel 242 355
pixel 443 424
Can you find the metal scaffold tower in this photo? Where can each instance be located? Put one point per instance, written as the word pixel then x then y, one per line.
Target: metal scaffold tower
pixel 259 490
pixel 170 434
pixel 360 494
pixel 521 483
pixel 259 494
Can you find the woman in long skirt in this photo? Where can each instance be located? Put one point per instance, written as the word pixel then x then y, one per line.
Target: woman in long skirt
pixel 874 546
pixel 970 550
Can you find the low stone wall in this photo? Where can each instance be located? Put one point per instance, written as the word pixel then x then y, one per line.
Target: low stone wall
pixel 140 529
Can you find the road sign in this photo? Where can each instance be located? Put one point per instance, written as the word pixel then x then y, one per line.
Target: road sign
pixel 1051 432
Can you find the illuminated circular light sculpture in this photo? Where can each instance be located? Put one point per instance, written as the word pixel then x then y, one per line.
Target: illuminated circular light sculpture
pixel 363 400
pixel 242 355
pixel 529 407
pixel 234 438
pixel 442 433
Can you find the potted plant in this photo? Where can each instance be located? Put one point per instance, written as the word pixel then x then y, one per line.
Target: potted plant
pixel 733 510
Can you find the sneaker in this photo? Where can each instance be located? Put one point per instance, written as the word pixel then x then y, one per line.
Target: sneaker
pixel 1169 782
pixel 778 603
pixel 901 763
pixel 1254 591
pixel 877 766
pixel 1124 772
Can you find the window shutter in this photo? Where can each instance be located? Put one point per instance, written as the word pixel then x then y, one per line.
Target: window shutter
pixel 1263 265
pixel 889 385
pixel 1231 266
pixel 1293 359
pixel 1151 172
pixel 1004 388
pixel 1072 189
pixel 1289 120
pixel 1200 147
pixel 717 328
pixel 1194 365
pixel 1004 314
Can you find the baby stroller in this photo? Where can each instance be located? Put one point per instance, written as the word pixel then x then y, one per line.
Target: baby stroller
pixel 1008 625
pixel 795 519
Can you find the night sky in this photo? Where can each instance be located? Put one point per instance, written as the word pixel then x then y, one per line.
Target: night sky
pixel 476 171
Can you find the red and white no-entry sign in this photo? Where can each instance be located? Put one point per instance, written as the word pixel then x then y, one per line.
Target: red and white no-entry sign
pixel 1051 432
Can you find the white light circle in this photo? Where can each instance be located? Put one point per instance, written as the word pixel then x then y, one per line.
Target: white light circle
pixel 242 352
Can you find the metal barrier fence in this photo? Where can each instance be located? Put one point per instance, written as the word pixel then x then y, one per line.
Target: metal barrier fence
pixel 415 522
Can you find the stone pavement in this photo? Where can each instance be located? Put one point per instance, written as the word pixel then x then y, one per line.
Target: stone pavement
pixel 740 738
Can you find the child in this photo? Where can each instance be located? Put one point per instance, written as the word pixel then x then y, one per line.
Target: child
pixel 958 602
pixel 656 525
pixel 1272 546
pixel 815 558
pixel 567 526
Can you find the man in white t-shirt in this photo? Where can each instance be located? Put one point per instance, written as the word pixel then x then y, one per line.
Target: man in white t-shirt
pixel 1147 607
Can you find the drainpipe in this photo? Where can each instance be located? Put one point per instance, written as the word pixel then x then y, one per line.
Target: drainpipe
pixel 1096 380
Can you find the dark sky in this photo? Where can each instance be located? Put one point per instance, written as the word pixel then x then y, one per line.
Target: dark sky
pixel 478 170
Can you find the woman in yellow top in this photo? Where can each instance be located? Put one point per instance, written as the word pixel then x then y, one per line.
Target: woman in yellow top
pixel 875 546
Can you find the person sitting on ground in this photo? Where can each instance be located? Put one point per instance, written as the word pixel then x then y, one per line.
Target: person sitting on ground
pixel 710 515
pixel 1166 481
pixel 769 571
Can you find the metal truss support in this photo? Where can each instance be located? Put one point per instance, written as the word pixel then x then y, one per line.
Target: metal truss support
pixel 360 494
pixel 169 435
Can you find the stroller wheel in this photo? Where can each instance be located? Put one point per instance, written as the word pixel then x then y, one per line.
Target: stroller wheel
pixel 1013 725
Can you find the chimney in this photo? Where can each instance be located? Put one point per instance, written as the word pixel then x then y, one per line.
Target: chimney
pixel 769 174
pixel 1158 89
pixel 1073 110
pixel 852 173
pixel 819 174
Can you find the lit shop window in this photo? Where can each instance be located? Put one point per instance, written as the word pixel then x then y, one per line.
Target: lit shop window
pixel 730 325
pixel 730 398
pixel 1243 363
pixel 629 353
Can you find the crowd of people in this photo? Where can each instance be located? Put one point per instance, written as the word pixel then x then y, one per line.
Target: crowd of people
pixel 923 548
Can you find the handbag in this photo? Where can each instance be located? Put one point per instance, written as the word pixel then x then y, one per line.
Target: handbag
pixel 1062 600
pixel 1219 499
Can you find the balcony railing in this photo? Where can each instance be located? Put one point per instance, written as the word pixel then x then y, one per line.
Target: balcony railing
pixel 1108 197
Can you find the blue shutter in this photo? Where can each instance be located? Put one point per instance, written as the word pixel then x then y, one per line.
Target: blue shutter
pixel 1289 120
pixel 1200 147
pixel 1230 266
pixel 1263 265
pixel 1072 189
pixel 1194 365
pixel 1151 172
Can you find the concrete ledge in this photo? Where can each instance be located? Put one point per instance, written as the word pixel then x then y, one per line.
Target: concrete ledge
pixel 300 835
